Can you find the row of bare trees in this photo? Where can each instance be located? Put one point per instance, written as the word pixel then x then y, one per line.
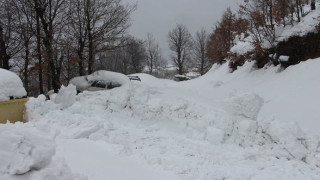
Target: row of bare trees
pixel 188 51
pixel 50 41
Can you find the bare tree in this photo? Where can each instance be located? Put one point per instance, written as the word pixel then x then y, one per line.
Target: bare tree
pixel 9 39
pixel 180 42
pixel 200 49
pixel 136 54
pixel 106 21
pixel 51 14
pixel 24 17
pixel 77 22
pixel 153 53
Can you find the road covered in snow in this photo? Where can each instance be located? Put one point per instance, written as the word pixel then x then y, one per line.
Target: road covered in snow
pixel 250 124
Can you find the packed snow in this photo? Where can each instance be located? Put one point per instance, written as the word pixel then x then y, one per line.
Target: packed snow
pixel 249 124
pixel 10 85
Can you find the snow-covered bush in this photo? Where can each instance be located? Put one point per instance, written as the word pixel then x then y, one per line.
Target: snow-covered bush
pixel 10 85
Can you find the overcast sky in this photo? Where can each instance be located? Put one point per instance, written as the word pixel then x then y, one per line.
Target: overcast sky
pixel 158 17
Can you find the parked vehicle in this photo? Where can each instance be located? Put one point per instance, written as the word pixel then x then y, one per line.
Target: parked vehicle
pixel 100 80
pixel 134 78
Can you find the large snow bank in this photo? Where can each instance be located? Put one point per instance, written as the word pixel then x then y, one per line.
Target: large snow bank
pixel 10 85
pixel 250 121
pixel 84 82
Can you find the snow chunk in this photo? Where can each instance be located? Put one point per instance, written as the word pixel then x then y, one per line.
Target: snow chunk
pixel 10 85
pixel 284 58
pixel 247 105
pixel 291 137
pixel 24 149
pixel 66 96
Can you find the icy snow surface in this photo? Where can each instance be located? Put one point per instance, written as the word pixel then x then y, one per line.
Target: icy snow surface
pixel 250 124
pixel 10 85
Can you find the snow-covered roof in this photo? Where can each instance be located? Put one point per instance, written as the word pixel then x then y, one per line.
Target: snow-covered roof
pixel 10 85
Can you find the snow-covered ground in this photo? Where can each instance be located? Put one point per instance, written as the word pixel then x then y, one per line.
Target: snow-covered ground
pixel 250 124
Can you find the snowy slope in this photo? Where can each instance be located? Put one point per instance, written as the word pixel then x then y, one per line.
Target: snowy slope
pixel 308 24
pixel 250 124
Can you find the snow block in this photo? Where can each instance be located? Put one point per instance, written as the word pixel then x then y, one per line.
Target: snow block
pixel 291 137
pixel 66 96
pixel 247 105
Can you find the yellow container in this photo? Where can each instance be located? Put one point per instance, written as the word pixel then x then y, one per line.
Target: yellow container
pixel 12 110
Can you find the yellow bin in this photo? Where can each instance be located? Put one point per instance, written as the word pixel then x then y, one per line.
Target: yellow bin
pixel 12 110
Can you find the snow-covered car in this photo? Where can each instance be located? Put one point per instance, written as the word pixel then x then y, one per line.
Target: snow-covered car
pixel 179 77
pixel 100 80
pixel 134 78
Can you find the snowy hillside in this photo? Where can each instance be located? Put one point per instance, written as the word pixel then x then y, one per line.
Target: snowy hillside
pixel 250 124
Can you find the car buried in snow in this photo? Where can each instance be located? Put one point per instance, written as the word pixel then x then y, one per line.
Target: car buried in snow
pixel 100 80
pixel 134 78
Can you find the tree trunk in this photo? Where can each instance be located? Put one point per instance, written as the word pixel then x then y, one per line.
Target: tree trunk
pixel 40 73
pixel 313 4
pixel 90 39
pixel 4 57
pixel 91 54
pixel 271 14
pixel 26 64
pixel 298 10
pixel 80 56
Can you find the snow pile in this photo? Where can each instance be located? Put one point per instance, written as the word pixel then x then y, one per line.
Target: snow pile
pixel 284 58
pixel 84 82
pixel 247 105
pixel 10 86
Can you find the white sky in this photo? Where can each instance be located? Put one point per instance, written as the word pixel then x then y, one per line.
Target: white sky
pixel 160 16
